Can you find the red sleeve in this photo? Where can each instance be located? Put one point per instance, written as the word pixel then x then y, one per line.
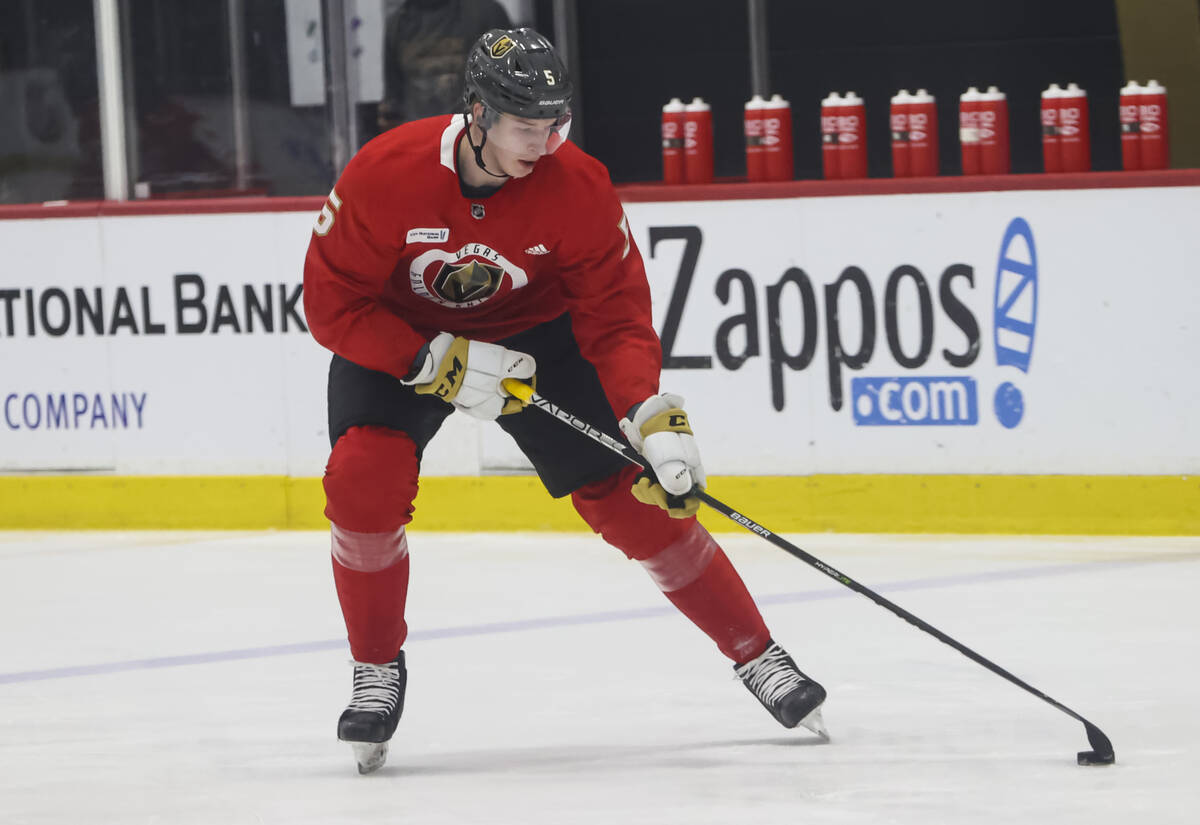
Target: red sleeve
pixel 350 259
pixel 604 281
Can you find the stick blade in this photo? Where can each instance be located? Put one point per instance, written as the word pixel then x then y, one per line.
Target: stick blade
pixel 1102 749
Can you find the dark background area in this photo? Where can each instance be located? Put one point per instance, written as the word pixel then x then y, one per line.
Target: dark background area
pixel 684 48
pixel 61 110
pixel 631 57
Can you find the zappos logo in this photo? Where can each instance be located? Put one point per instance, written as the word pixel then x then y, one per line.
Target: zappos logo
pixel 949 400
pixel 854 322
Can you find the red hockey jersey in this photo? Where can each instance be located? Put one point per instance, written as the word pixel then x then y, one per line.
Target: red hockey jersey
pixel 399 254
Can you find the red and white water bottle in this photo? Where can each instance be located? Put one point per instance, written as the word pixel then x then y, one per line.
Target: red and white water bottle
pixel 777 139
pixel 752 128
pixel 994 156
pixel 1131 143
pixel 922 134
pixel 697 142
pixel 898 117
pixel 1075 134
pixel 831 109
pixel 1051 148
pixel 852 138
pixel 968 131
pixel 1152 114
pixel 672 141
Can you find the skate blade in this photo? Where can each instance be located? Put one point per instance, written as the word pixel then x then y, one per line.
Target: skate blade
pixel 816 723
pixel 370 755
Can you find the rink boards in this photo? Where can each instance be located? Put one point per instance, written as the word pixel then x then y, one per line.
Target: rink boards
pixel 973 361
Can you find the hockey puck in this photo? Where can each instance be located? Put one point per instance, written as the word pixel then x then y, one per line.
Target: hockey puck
pixel 1095 758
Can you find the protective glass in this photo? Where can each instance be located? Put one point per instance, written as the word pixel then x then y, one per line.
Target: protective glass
pixel 527 137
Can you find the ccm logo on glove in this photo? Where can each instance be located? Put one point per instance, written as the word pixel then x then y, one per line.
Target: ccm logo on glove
pixel 446 390
pixel 467 374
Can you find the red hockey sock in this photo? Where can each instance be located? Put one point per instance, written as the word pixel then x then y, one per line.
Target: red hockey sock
pixel 370 484
pixel 373 607
pixel 681 557
pixel 719 604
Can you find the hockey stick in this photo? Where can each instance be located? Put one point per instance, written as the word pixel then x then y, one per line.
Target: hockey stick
pixel 1102 749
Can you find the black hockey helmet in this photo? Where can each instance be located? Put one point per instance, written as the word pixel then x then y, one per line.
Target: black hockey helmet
pixel 518 72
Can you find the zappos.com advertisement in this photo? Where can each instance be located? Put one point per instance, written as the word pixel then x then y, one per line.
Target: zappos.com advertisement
pixel 1002 332
pixel 996 332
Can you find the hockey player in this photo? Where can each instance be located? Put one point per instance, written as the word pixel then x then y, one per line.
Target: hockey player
pixel 460 250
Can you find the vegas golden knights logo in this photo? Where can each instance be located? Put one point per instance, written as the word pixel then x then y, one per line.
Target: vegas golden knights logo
pixel 502 47
pixel 465 277
pixel 472 281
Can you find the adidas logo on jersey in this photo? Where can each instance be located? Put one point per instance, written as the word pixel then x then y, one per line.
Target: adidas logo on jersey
pixel 540 249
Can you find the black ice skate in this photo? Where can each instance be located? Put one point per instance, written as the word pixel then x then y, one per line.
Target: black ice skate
pixel 791 696
pixel 369 721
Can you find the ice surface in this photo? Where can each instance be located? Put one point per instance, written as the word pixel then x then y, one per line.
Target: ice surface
pixel 197 678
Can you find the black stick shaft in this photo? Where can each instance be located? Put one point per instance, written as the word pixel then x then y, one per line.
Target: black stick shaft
pixel 883 602
pixel 1099 741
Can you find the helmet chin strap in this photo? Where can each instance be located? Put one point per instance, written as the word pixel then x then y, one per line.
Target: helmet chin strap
pixel 478 150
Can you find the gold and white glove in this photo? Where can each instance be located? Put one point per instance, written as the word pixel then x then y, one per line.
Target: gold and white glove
pixel 659 430
pixel 467 374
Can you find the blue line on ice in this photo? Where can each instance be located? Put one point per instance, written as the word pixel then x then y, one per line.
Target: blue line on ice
pixel 545 622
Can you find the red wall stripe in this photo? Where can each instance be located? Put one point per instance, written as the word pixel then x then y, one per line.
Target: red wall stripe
pixel 650 192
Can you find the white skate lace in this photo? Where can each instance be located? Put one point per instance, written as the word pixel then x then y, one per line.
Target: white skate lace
pixel 376 688
pixel 770 676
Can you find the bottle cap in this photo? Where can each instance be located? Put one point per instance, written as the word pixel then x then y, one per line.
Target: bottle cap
pixel 674 105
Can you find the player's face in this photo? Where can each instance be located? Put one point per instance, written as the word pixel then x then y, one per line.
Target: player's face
pixel 518 142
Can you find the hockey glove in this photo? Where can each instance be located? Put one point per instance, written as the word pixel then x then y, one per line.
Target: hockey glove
pixel 658 429
pixel 467 374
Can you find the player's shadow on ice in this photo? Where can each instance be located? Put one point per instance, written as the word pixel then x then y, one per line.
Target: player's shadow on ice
pixel 596 757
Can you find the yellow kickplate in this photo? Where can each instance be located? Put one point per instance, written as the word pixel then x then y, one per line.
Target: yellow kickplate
pixel 1100 505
